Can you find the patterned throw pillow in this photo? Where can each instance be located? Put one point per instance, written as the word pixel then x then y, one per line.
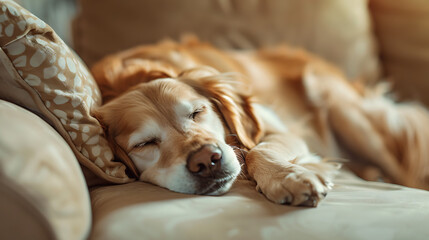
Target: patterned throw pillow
pixel 39 72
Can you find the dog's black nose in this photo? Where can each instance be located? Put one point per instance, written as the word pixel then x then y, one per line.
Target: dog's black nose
pixel 205 162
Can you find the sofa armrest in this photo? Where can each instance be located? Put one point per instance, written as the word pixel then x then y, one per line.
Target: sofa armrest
pixel 43 194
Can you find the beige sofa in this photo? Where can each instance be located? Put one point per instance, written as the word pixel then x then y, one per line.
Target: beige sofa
pixel 59 181
pixel 43 196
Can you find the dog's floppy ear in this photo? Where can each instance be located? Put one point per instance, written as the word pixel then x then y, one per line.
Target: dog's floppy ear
pixel 231 100
pixel 118 73
pixel 117 150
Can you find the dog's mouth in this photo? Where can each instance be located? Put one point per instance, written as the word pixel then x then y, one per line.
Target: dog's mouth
pixel 218 186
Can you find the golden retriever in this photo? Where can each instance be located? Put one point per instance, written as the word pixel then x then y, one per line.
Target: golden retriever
pixel 186 116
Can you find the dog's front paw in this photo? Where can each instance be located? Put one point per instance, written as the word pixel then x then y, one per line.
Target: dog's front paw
pixel 296 186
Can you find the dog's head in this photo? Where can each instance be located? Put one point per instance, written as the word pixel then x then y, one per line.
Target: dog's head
pixel 171 131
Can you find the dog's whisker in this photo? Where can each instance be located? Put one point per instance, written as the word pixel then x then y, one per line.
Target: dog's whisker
pixel 232 134
pixel 335 159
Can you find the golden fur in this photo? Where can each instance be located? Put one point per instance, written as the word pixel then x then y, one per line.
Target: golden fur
pixel 312 110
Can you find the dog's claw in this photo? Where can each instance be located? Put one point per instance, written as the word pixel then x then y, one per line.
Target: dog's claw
pixel 288 200
pixel 311 201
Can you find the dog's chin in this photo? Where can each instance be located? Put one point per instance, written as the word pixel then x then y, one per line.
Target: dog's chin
pixel 218 186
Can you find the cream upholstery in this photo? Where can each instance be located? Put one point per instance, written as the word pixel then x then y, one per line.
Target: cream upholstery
pixel 355 209
pixel 41 185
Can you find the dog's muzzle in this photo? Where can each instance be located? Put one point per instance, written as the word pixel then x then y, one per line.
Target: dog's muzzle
pixel 208 168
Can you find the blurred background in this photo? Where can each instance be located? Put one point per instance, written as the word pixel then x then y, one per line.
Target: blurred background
pixel 57 13
pixel 368 39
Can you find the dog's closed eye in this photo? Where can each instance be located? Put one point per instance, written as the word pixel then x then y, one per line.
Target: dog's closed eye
pixel 196 113
pixel 150 142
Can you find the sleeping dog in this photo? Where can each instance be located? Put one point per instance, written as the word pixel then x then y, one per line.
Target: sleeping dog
pixel 190 118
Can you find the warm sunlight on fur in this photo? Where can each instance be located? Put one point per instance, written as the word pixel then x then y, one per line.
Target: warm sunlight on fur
pixel 175 112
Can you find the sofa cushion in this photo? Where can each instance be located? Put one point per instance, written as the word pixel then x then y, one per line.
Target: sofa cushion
pixel 43 194
pixel 338 30
pixel 40 73
pixel 402 29
pixel 354 209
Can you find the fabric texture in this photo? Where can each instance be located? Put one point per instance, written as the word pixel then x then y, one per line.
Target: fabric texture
pixel 337 30
pixel 17 210
pixel 40 176
pixel 354 209
pixel 43 75
pixel 402 29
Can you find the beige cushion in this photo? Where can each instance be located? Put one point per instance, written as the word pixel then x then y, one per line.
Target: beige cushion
pixel 338 30
pixel 40 73
pixel 355 209
pixel 402 28
pixel 17 210
pixel 43 194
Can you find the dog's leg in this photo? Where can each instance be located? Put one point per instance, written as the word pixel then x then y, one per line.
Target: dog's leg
pixel 391 136
pixel 287 173
pixel 364 138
